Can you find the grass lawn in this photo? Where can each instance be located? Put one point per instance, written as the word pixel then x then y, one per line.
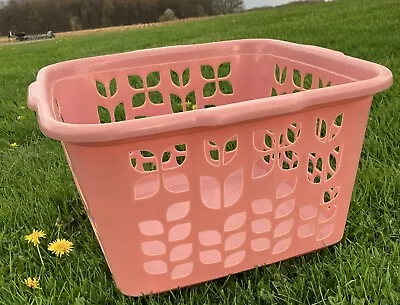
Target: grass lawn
pixel 37 190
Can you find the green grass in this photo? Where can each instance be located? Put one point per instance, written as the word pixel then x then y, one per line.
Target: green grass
pixel 37 190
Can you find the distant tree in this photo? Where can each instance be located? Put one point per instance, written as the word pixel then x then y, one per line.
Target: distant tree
pixel 167 16
pixel 33 16
pixel 200 11
pixel 222 7
pixel 106 13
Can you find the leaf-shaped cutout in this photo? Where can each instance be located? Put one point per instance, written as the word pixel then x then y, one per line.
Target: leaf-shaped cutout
pixel 260 244
pixel 225 87
pixel 155 97
pixel 224 69
pixel 119 113
pixel 155 267
pixel 153 248
pixel 180 147
pixel 191 101
pixel 277 74
pixel 306 230
pixel 333 163
pixel 293 133
pixel 261 206
pixel 180 252
pixel 325 232
pixel 174 78
pixel 329 84
pixel 182 271
pixel 178 210
pixel 235 241
pixel 210 190
pixel 176 103
pixel 146 187
pixel 285 208
pixel 210 238
pixel 231 145
pixel 180 159
pixel 176 182
pixel 151 227
pixel 307 82
pixel 149 167
pixel 268 139
pixel 234 259
pixel 327 214
pixel 339 120
pixel 138 100
pixel 113 87
pixel 235 221
pixel 214 154
pixel 233 188
pixel 179 232
pixel 308 212
pixel 209 89
pixel 318 164
pixel 330 194
pixel 210 257
pixel 321 84
pixel 166 156
pixel 101 89
pixel 207 72
pixel 283 76
pixel 285 188
pixel 146 154
pixel 283 228
pixel 186 76
pixel 261 225
pixel 321 129
pixel 273 92
pixel 135 81
pixel 153 79
pixel 263 166
pixel 297 78
pixel 282 245
pixel 104 114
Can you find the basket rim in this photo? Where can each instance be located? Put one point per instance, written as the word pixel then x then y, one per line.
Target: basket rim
pixel 39 94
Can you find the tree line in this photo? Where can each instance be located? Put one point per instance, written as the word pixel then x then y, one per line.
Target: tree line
pixel 37 16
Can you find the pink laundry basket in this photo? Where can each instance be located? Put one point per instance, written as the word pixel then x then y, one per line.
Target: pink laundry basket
pixel 180 192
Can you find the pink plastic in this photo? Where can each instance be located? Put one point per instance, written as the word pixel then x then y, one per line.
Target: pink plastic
pixel 181 198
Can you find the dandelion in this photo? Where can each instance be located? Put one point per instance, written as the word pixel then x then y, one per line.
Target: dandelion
pixel 13 145
pixel 194 107
pixel 20 118
pixel 32 283
pixel 60 247
pixel 34 237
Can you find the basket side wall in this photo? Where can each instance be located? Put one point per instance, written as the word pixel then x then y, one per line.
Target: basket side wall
pixel 187 208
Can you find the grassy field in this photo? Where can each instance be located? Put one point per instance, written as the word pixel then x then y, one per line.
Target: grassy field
pixel 37 190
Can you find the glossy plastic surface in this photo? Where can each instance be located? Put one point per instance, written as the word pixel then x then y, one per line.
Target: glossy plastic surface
pixel 179 191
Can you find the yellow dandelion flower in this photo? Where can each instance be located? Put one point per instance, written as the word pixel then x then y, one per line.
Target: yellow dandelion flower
pixel 34 237
pixel 13 145
pixel 60 247
pixel 194 107
pixel 32 283
pixel 20 118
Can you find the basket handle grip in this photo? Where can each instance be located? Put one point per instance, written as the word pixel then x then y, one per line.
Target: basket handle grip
pixel 34 94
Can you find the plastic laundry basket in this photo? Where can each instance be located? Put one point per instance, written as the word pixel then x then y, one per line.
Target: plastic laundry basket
pixel 179 191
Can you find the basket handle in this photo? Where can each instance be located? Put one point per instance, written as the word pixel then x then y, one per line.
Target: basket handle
pixel 34 96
